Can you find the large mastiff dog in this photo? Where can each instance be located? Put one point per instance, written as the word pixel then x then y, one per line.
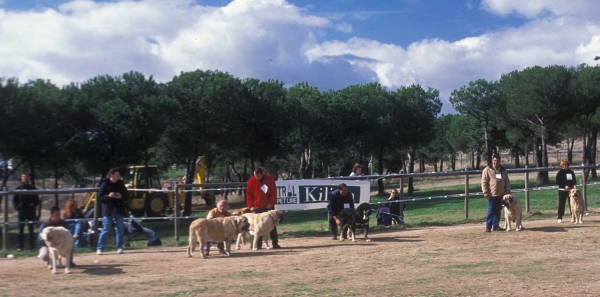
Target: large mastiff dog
pixel 352 219
pixel 261 224
pixel 513 212
pixel 225 230
pixel 577 207
pixel 60 243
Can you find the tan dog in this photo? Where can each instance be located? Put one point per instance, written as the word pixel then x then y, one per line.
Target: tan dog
pixel 577 207
pixel 205 230
pixel 60 243
pixel 261 224
pixel 513 212
pixel 241 211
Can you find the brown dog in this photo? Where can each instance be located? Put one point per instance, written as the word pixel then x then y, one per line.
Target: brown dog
pixel 513 212
pixel 205 230
pixel 577 207
pixel 261 224
pixel 241 211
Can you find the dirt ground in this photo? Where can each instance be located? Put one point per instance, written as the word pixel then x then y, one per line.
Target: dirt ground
pixel 546 259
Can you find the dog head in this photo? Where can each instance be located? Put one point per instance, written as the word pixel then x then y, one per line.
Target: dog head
pixel 46 234
pixel 277 215
pixel 364 210
pixel 575 194
pixel 241 223
pixel 509 199
pixel 240 211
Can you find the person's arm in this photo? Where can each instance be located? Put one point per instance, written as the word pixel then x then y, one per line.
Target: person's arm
pixel 16 202
pixel 485 184
pixel 559 179
pixel 250 194
pixel 574 180
pixel 103 193
pixel 272 194
pixel 211 214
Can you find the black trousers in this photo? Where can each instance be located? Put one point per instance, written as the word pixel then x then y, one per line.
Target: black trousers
pixel 562 200
pixel 25 216
pixel 273 234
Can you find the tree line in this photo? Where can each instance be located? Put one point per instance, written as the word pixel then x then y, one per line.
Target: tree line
pixel 297 131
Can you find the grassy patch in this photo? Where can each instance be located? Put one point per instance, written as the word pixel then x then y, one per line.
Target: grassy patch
pixel 472 269
pixel 188 292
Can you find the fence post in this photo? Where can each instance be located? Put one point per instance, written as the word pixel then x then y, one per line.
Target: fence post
pixel 584 189
pixel 527 209
pixel 5 227
pixel 401 192
pixel 95 236
pixel 466 195
pixel 176 206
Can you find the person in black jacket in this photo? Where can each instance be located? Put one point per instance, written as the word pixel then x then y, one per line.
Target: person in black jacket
pixel 113 197
pixel 339 199
pixel 25 205
pixel 566 181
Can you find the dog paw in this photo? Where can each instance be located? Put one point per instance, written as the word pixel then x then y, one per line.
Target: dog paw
pixel 54 272
pixel 67 271
pixel 49 267
pixel 255 249
pixel 367 240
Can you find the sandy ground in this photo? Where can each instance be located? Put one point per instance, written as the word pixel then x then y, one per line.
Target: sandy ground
pixel 546 259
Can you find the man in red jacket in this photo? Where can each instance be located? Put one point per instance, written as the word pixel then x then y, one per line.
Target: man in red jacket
pixel 261 196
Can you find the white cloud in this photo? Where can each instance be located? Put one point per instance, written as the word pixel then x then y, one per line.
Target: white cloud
pixel 534 8
pixel 272 39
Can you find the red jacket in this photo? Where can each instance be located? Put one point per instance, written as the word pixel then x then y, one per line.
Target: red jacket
pixel 256 197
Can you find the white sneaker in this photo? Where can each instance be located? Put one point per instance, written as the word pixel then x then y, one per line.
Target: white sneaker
pixel 560 220
pixel 119 251
pixel 99 252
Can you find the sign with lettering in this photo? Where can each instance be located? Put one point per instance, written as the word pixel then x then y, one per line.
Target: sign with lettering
pixel 313 194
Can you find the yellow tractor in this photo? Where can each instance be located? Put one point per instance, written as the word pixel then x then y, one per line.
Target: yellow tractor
pixel 148 203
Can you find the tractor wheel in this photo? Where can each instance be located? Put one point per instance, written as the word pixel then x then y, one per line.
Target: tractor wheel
pixel 156 205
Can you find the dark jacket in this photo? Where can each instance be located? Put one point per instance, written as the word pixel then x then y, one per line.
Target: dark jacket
pixel 562 180
pixel 49 223
pixel 25 203
pixel 337 201
pixel 108 204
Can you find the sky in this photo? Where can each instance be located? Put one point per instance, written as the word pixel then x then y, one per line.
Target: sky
pixel 442 44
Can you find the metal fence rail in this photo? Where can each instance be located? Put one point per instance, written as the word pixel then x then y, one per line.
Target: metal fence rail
pixel 239 186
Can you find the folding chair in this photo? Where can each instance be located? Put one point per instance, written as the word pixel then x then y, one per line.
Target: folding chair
pixel 386 218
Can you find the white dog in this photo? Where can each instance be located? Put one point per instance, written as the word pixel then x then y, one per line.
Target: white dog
pixel 60 243
pixel 513 212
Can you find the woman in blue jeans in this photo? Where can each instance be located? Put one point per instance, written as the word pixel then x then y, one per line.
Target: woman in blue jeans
pixel 71 213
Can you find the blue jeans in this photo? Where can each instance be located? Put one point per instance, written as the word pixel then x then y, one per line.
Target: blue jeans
pixel 107 223
pixel 76 228
pixel 493 214
pixel 220 245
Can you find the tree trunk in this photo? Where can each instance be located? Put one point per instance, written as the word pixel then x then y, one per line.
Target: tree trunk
pixel 380 188
pixel 453 161
pixel 411 168
pixel 517 161
pixel 570 145
pixel 478 159
pixel 545 156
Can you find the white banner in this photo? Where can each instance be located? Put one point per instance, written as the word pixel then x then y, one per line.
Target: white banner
pixel 314 194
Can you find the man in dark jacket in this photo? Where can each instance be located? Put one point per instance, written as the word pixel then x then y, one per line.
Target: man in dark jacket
pixel 26 205
pixel 112 197
pixel 338 200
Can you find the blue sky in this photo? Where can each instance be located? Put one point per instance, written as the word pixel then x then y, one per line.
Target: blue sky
pixel 443 44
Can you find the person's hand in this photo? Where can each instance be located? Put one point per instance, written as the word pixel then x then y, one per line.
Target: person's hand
pixel 269 206
pixel 486 195
pixel 566 187
pixel 111 195
pixel 338 222
pixel 220 219
pixel 252 209
pixel 75 237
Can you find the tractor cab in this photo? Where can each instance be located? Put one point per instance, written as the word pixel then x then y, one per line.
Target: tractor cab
pixel 141 180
